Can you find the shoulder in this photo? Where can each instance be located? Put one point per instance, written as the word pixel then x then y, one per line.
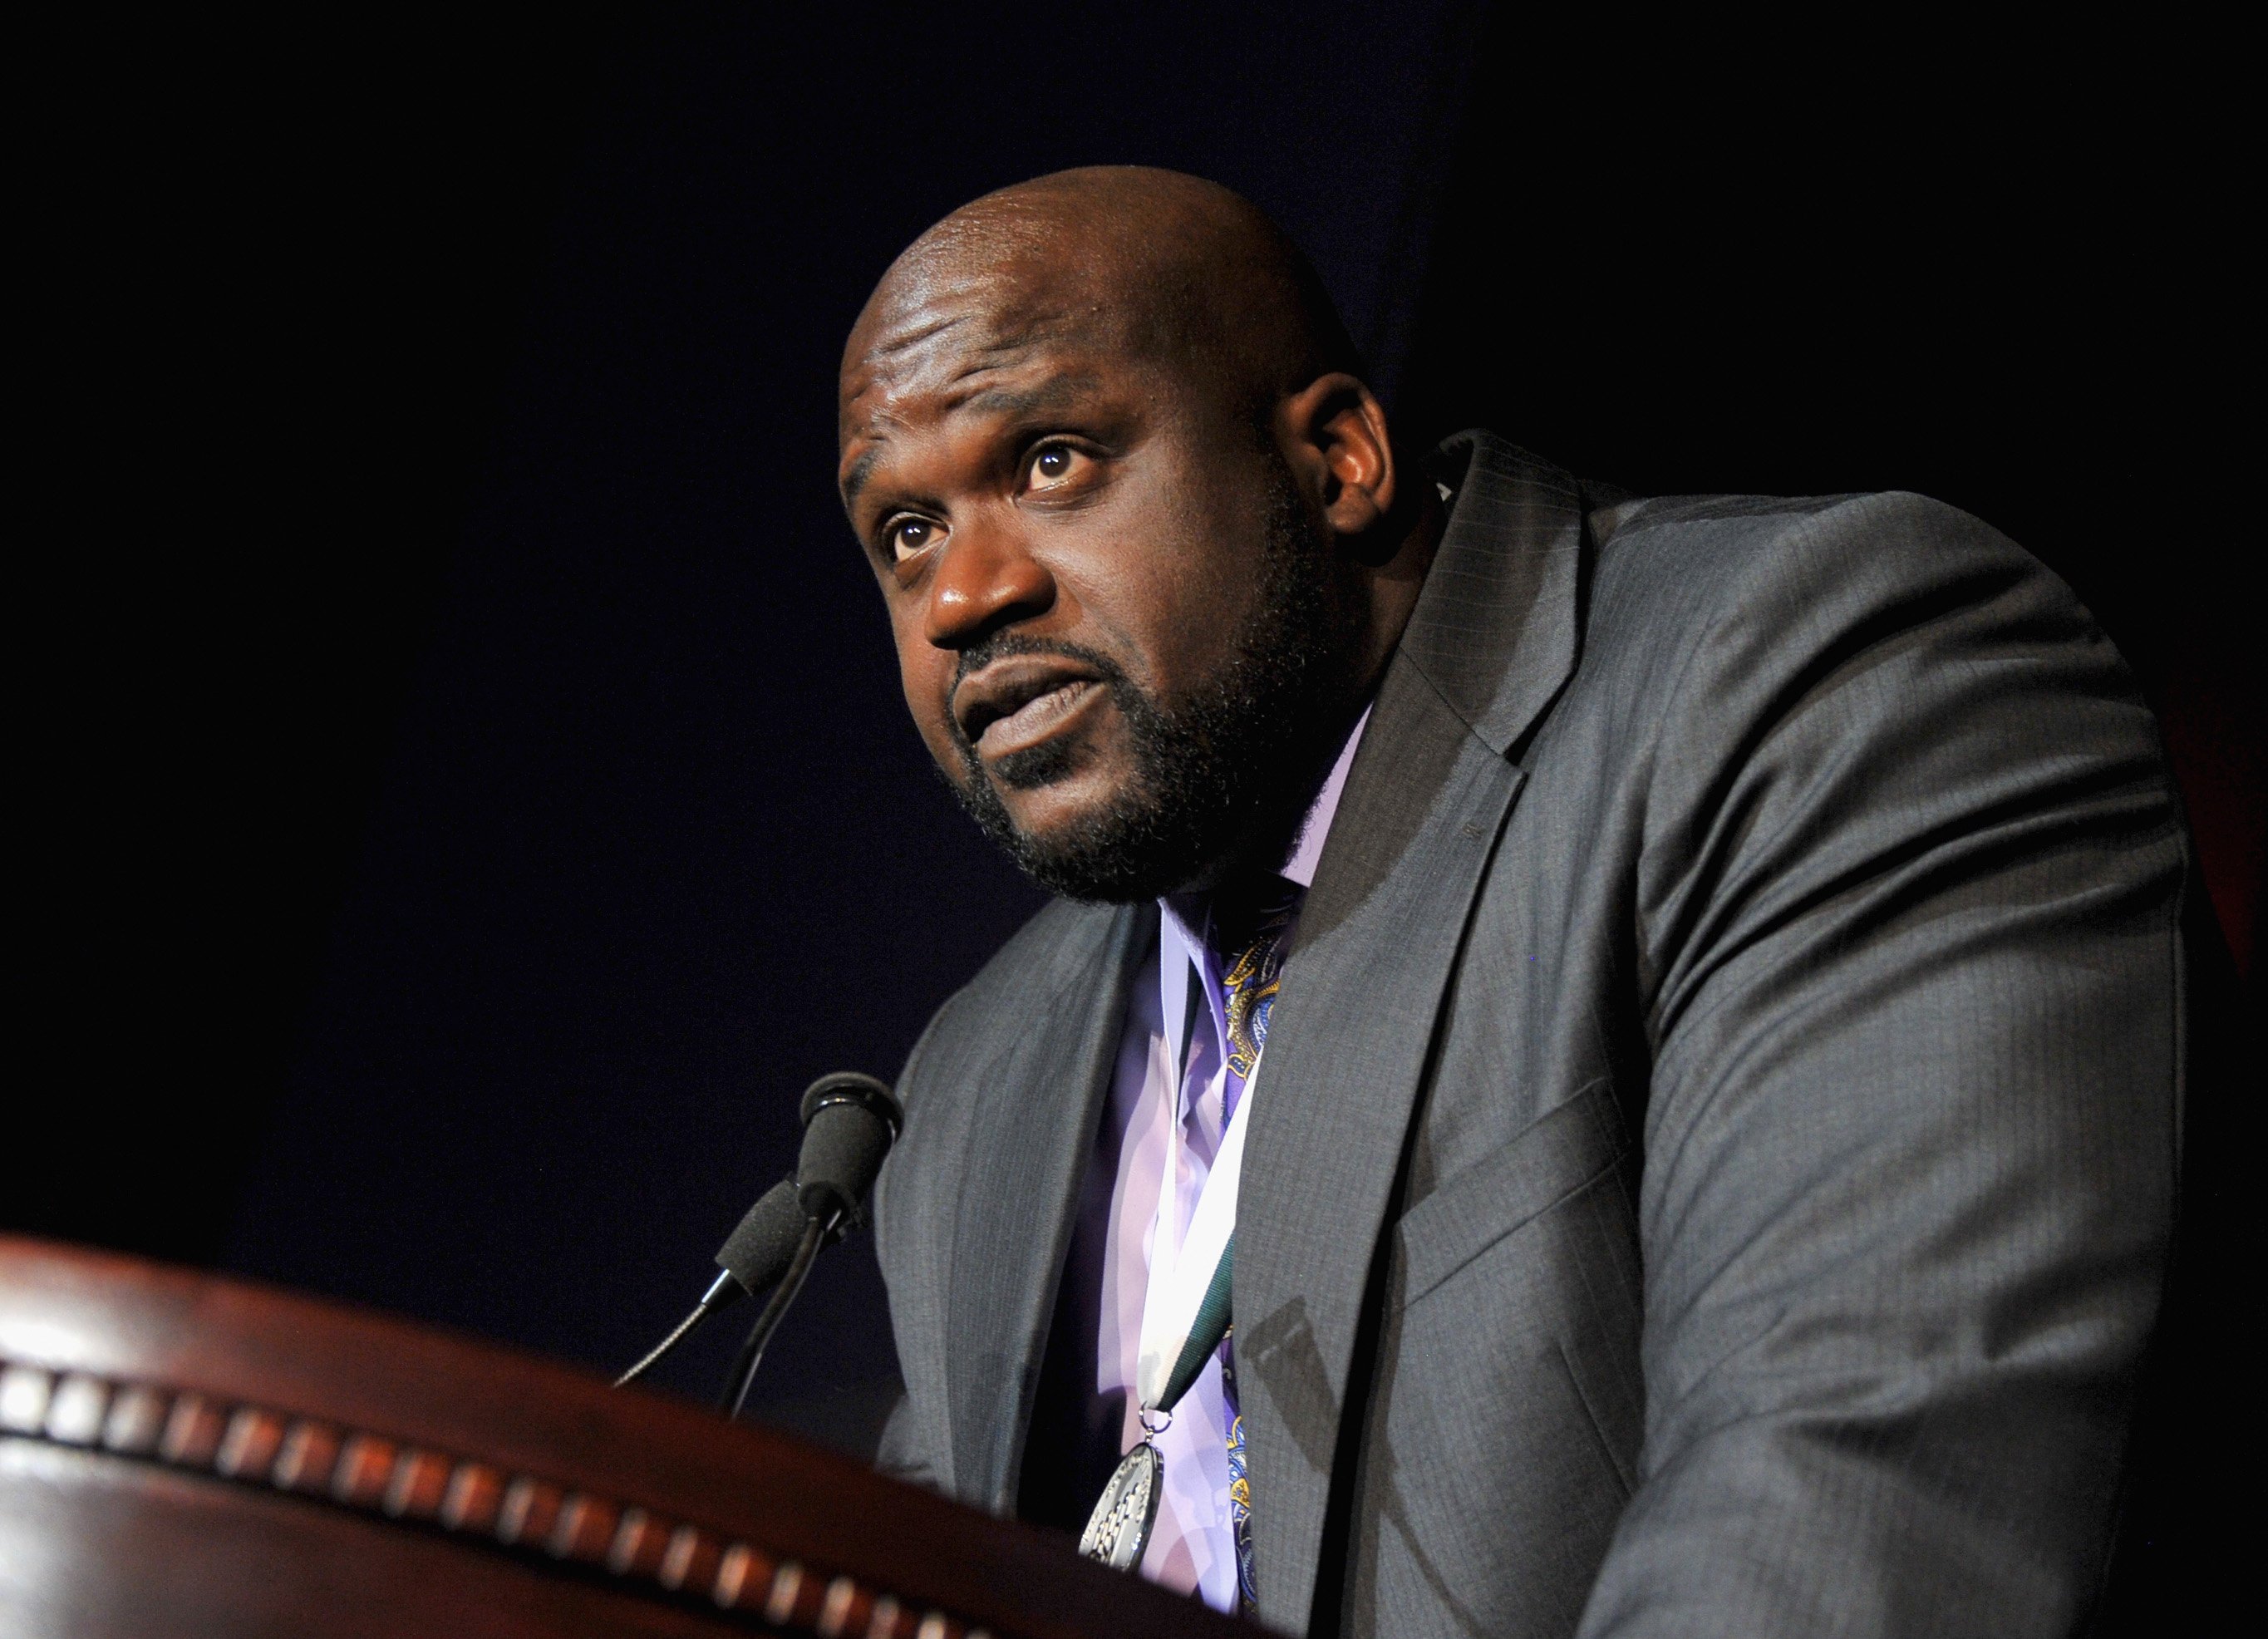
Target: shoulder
pixel 1716 558
pixel 1025 979
pixel 1758 675
pixel 1716 597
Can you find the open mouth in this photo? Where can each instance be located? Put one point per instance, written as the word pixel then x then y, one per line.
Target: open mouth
pixel 1015 703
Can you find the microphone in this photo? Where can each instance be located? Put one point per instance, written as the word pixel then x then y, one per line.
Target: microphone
pixel 850 1121
pixel 842 1150
pixel 760 1249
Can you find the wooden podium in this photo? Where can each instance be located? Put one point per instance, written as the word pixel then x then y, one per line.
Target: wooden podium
pixel 181 1453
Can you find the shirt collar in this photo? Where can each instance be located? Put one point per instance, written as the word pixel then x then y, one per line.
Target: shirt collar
pixel 1181 947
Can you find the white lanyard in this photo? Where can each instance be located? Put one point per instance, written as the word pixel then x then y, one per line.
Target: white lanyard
pixel 1169 1311
pixel 1185 1313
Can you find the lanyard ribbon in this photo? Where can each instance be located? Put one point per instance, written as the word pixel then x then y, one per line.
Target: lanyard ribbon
pixel 1184 1318
pixel 1207 1327
pixel 1180 1333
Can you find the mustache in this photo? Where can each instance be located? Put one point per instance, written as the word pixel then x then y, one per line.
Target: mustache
pixel 1002 644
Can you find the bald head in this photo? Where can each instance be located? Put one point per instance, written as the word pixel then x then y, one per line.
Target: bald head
pixel 1162 268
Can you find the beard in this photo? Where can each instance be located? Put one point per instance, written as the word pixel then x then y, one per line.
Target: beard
pixel 1223 775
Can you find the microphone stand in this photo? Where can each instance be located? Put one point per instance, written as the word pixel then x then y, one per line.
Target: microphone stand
pixel 751 1352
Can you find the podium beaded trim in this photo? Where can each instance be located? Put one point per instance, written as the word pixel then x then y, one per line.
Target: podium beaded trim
pixel 358 1469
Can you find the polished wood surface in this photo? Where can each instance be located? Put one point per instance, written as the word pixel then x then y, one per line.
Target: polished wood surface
pixel 182 1453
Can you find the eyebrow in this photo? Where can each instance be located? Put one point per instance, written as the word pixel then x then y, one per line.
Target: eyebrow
pixel 861 470
pixel 1011 401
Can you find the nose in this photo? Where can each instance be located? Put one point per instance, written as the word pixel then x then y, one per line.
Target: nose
pixel 987 579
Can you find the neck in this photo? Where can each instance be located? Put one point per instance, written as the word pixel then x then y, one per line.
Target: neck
pixel 1393 586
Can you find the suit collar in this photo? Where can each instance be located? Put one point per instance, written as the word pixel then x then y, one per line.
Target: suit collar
pixel 1495 628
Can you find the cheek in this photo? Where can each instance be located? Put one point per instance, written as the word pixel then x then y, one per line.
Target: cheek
pixel 1173 595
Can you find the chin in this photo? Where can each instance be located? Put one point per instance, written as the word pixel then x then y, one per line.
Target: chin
pixel 1059 815
pixel 1087 825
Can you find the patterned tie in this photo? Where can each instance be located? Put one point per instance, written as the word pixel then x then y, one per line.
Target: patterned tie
pixel 1249 925
pixel 1239 1487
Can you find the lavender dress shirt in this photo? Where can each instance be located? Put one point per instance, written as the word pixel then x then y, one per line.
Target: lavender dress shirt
pixel 1159 1137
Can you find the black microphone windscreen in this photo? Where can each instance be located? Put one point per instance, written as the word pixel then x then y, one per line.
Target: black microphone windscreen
pixel 758 1252
pixel 849 1123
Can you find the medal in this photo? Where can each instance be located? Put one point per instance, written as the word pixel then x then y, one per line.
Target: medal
pixel 1119 1529
pixel 1118 1533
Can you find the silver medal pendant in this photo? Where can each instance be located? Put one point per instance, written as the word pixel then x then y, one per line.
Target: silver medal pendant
pixel 1119 1529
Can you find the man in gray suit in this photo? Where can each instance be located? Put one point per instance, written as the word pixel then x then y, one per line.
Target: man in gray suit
pixel 1673 1003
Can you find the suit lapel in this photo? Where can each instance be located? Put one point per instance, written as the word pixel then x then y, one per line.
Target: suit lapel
pixel 1030 1141
pixel 1492 642
pixel 1496 628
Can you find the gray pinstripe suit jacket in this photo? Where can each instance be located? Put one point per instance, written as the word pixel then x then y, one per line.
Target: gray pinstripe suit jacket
pixel 1718 1155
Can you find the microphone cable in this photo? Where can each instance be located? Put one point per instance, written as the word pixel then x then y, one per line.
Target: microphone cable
pixel 743 1374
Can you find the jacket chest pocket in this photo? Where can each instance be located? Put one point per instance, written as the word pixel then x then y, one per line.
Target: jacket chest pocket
pixel 1524 1270
pixel 1550 1163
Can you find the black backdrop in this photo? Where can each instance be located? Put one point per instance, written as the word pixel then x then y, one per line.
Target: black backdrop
pixel 473 798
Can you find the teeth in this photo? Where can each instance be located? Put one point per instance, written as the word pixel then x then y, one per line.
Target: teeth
pixel 1053 696
pixel 1041 707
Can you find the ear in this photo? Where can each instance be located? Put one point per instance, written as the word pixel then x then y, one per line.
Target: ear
pixel 1333 432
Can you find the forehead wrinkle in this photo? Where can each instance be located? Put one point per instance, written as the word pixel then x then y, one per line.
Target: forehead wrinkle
pixel 1004 399
pixel 887 373
pixel 914 336
pixel 1008 315
pixel 1009 312
pixel 943 386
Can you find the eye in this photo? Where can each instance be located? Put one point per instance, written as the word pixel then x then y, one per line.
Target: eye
pixel 907 535
pixel 1052 463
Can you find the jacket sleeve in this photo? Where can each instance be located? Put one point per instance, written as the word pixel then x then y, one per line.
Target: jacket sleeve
pixel 902 1454
pixel 1908 940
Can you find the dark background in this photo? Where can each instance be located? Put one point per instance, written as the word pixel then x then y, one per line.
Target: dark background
pixel 470 794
